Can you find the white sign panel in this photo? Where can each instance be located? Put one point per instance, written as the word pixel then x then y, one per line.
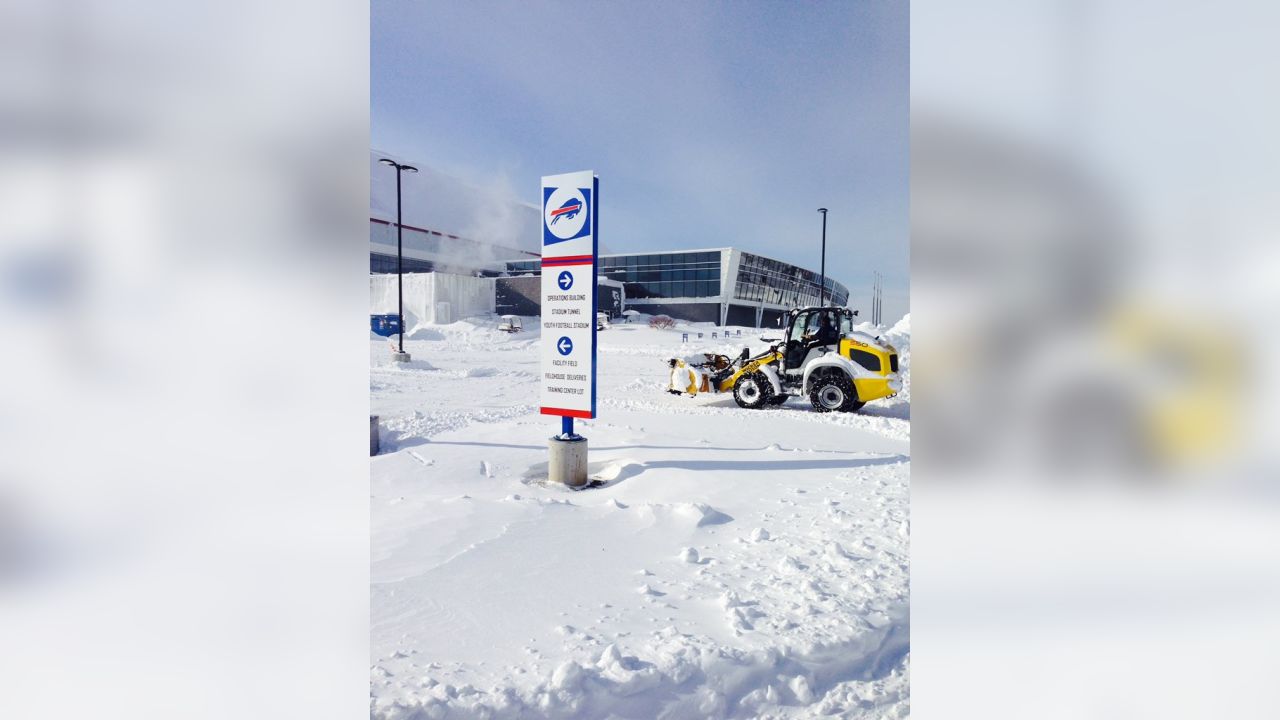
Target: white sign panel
pixel 569 229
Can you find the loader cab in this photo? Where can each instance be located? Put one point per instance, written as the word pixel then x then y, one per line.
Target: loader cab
pixel 813 332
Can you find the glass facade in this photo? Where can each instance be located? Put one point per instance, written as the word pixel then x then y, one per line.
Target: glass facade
pixel 657 275
pixel 379 263
pixel 522 267
pixel 696 274
pixel 666 275
pixel 761 279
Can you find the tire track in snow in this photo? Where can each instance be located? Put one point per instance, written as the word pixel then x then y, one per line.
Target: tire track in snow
pixel 891 427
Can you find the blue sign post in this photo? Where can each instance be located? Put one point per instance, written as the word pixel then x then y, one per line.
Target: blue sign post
pixel 570 229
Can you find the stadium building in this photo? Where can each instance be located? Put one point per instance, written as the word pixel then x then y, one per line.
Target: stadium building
pixel 726 286
pixel 456 228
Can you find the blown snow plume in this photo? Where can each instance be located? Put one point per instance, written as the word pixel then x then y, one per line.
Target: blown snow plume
pixel 459 226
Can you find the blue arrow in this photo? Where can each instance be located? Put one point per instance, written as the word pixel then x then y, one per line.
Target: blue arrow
pixel 565 346
pixel 565 280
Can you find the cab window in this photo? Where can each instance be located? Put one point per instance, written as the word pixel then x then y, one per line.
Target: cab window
pixel 815 322
pixel 800 326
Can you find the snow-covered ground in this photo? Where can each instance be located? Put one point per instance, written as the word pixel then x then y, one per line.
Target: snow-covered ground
pixel 735 563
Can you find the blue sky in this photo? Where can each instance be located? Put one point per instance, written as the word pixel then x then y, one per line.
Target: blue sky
pixel 709 124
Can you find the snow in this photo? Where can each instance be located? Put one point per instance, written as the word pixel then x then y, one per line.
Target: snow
pixel 902 327
pixel 730 563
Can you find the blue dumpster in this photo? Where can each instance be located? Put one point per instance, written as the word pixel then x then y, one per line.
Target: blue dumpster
pixel 385 325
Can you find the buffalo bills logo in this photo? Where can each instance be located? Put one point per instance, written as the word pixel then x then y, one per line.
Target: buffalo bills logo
pixel 566 214
pixel 568 211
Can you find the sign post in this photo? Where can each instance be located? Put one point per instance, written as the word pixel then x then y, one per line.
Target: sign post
pixel 570 227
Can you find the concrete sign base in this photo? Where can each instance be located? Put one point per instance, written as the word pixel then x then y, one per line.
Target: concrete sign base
pixel 567 461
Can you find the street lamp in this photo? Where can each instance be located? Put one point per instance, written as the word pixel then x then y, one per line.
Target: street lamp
pixel 823 292
pixel 401 356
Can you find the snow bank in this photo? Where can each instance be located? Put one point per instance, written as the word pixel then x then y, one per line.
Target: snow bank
pixel 682 678
pixel 900 334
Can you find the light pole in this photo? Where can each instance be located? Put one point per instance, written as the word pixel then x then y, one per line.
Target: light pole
pixel 400 356
pixel 822 296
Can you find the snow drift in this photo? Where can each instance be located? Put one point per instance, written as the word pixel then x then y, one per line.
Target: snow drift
pixel 732 564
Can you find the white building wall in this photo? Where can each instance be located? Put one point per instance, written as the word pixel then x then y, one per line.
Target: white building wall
pixel 432 298
pixel 729 262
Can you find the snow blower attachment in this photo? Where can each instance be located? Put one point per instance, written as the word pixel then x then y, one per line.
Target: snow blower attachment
pixel 691 375
pixel 821 357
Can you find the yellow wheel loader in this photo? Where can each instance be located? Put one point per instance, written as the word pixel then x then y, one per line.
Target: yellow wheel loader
pixel 820 357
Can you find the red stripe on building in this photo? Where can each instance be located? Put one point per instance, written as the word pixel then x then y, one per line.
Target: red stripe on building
pixel 563 210
pixel 586 414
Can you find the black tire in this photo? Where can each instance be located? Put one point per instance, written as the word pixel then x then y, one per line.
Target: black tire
pixel 833 391
pixel 752 391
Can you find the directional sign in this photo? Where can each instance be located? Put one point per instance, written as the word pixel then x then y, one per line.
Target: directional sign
pixel 569 239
